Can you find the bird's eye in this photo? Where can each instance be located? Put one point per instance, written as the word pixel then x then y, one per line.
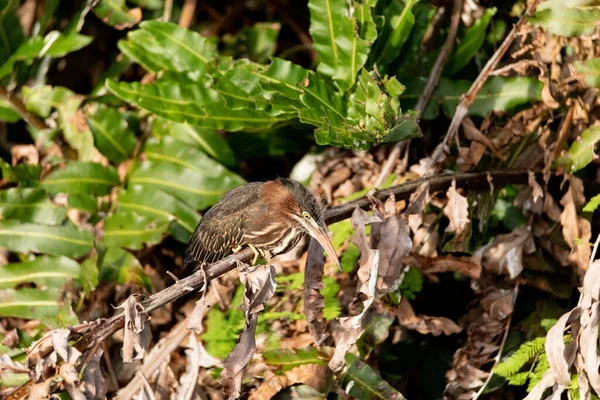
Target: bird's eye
pixel 306 216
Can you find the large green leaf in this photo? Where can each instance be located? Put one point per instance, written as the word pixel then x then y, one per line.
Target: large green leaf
pixel 7 112
pixel 337 40
pixel 45 305
pixel 120 266
pixel 112 135
pixel 20 173
pixel 589 71
pixel 398 21
pixel 131 230
pixel 81 178
pixel 116 14
pixel 157 204
pixel 54 44
pixel 67 240
pixel 11 31
pixel 167 46
pixel 498 94
pixel 184 172
pixel 413 59
pixel 30 205
pixel 43 99
pixel 362 382
pixel 470 42
pixel 208 140
pixel 44 271
pixel 179 99
pixel 581 152
pixel 567 17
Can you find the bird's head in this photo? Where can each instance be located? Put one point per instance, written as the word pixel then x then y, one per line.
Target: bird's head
pixel 299 207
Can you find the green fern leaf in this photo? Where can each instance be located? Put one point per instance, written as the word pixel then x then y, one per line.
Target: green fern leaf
pixel 512 365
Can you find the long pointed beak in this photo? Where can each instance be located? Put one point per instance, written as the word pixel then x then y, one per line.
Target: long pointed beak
pixel 321 235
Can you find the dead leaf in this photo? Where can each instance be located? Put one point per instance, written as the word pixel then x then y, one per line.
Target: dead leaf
pixel 469 266
pixel 8 365
pixel 505 253
pixel 457 210
pixel 561 357
pixel 136 333
pixel 314 301
pixel 425 324
pixel 576 229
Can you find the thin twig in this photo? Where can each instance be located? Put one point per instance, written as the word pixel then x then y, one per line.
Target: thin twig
pixel 167 10
pixel 187 13
pixel 467 99
pixel 432 82
pixel 20 108
pixel 101 329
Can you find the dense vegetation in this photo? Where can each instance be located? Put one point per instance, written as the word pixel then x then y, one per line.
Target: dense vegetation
pixel 123 121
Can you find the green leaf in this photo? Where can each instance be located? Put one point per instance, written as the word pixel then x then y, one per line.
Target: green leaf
pixel 376 330
pixel 67 240
pixel 45 305
pixel 116 14
pixel 43 99
pixel 589 71
pixel 158 204
pixel 166 46
pixel 83 201
pixel 257 42
pixel 350 258
pixel 330 291
pixel 395 30
pixel 336 38
pixel 46 271
pixel 88 277
pixel 82 178
pixel 565 18
pixel 130 230
pixel 413 60
pixel 208 140
pixel 112 135
pixel 288 359
pixel 10 29
pixel 581 152
pixel 54 45
pixel 20 173
pixel 30 205
pixel 179 99
pixel 120 266
pixel 593 204
pixel 412 283
pixel 7 112
pixel 470 42
pixel 498 94
pixel 183 172
pixel 361 382
pixel 513 364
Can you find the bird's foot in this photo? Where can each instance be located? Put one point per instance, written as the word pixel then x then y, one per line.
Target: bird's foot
pixel 257 253
pixel 236 248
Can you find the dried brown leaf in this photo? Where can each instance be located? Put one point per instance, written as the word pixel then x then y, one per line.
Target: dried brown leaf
pixel 505 253
pixel 457 210
pixel 136 332
pixel 561 357
pixel 189 379
pixel 8 365
pixel 314 302
pixel 425 324
pixel 469 266
pixel 573 227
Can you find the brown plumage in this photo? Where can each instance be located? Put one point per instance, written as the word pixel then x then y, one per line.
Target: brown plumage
pixel 271 216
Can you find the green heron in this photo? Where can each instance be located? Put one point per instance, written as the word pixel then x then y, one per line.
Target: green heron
pixel 267 216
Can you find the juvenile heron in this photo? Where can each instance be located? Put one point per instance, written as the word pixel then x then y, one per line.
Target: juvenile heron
pixel 267 216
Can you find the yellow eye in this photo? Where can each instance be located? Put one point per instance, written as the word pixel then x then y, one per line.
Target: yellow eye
pixel 306 216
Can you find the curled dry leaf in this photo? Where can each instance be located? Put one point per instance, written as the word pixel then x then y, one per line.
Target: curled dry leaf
pixel 189 379
pixel 425 324
pixel 259 286
pixel 505 254
pixel 469 266
pixel 313 375
pixel 9 366
pixel 314 301
pixel 576 231
pixel 136 333
pixel 457 210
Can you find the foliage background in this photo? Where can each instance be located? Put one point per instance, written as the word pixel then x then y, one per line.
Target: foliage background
pixel 120 129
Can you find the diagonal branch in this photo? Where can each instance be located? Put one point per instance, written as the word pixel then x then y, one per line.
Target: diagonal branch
pixel 20 108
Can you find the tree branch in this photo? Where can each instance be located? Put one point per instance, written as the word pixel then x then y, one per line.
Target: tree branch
pixel 20 108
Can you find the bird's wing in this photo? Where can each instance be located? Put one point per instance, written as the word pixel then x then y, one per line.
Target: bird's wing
pixel 222 227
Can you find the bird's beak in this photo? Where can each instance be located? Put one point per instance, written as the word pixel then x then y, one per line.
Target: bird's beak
pixel 321 235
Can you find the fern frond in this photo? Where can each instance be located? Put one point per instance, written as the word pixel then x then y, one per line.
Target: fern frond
pixel 513 364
